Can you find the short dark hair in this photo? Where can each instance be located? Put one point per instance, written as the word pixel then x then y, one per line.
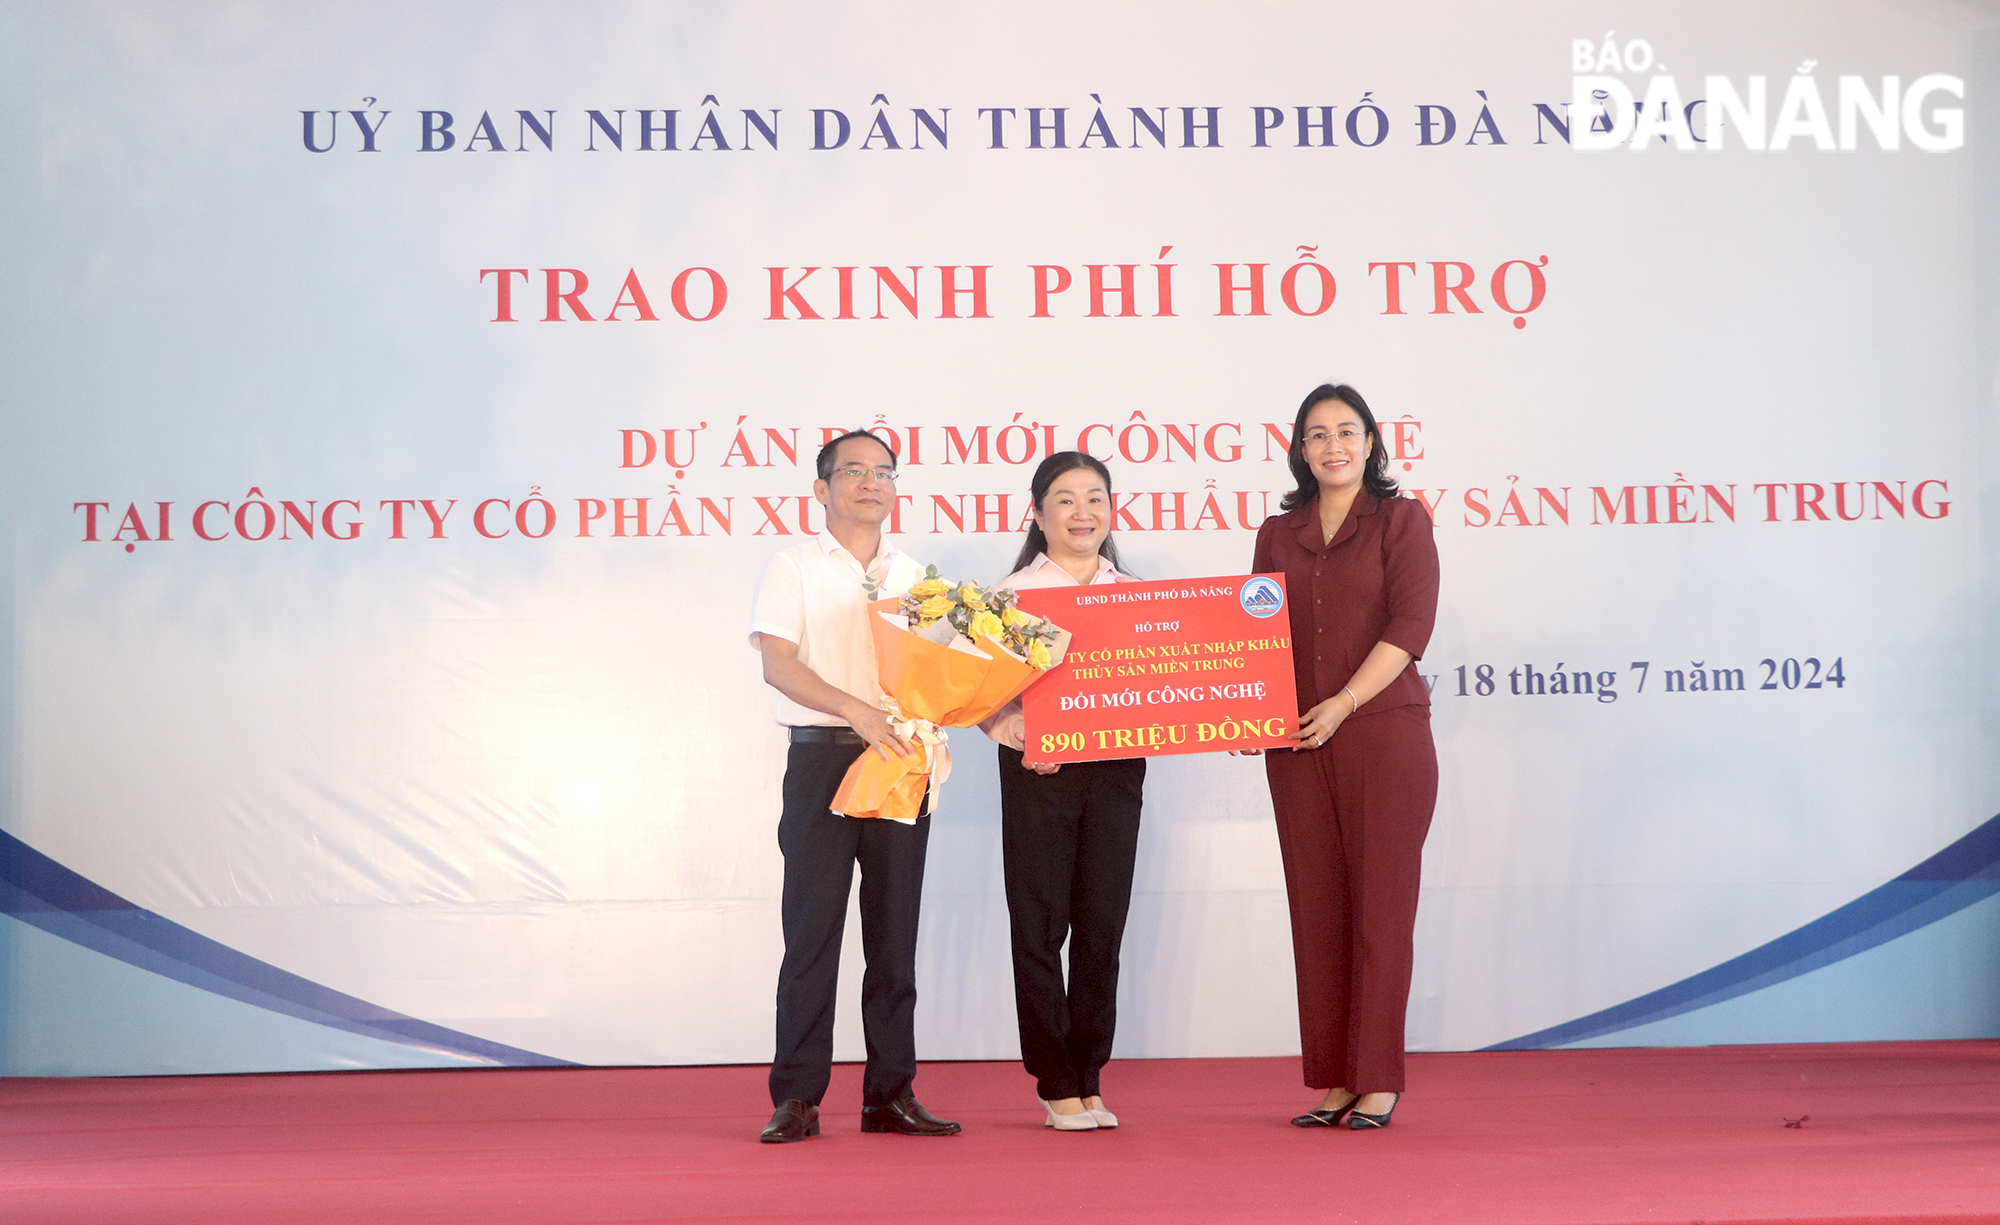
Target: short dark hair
pixel 824 465
pixel 1374 478
pixel 1038 488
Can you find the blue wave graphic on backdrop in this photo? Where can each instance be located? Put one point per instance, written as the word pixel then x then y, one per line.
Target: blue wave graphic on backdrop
pixel 1963 873
pixel 37 890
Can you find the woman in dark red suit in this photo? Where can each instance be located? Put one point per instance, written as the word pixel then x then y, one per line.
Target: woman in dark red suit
pixel 1354 798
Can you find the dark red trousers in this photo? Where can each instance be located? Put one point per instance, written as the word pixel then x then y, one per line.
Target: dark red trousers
pixel 1352 816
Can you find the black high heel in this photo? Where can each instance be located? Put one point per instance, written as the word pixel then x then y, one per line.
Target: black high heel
pixel 1357 1121
pixel 1323 1117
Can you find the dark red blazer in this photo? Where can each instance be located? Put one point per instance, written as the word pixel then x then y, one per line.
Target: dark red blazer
pixel 1376 581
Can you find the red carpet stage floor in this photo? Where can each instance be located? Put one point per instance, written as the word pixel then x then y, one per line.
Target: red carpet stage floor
pixel 1904 1132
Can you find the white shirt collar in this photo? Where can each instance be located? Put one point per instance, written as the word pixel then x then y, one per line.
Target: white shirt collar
pixel 885 556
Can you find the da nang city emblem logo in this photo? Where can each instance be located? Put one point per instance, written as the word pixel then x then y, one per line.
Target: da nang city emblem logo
pixel 1261 597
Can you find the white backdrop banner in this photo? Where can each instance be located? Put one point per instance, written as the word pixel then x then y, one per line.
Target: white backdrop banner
pixel 400 404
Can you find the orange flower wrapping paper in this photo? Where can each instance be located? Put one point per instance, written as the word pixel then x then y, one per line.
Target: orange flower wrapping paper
pixel 941 686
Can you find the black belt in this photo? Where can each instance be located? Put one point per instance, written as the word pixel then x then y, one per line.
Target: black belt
pixel 827 735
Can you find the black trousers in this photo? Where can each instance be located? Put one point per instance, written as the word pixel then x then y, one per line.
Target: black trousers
pixel 820 851
pixel 1068 841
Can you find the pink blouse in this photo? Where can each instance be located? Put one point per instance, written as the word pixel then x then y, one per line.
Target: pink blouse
pixel 1042 572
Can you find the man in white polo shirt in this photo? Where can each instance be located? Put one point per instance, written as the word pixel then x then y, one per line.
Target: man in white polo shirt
pixel 811 626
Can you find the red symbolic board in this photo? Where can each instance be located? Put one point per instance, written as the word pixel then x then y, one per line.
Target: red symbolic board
pixel 1183 666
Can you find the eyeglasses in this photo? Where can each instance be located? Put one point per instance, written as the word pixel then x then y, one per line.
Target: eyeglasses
pixel 1348 435
pixel 882 476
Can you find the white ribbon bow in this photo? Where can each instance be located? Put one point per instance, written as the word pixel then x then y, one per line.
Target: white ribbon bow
pixel 937 749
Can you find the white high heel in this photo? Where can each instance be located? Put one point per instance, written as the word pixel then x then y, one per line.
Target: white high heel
pixel 1104 1118
pixel 1086 1121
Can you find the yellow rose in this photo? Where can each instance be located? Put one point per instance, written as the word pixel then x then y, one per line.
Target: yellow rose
pixel 934 607
pixel 929 587
pixel 1038 655
pixel 1016 619
pixel 971 596
pixel 985 625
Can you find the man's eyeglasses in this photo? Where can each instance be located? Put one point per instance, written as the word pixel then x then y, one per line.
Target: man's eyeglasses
pixel 881 476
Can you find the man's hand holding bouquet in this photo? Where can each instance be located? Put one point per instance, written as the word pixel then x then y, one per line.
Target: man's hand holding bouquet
pixel 949 655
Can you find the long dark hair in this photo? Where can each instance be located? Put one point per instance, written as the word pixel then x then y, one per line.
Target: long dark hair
pixel 1045 476
pixel 1374 478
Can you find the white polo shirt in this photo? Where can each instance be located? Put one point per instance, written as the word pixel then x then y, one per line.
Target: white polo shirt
pixel 813 594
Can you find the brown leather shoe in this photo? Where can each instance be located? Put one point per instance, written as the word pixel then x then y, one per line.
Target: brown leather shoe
pixel 906 1116
pixel 793 1120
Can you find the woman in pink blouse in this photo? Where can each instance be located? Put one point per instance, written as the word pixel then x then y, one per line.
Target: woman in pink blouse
pixel 1069 834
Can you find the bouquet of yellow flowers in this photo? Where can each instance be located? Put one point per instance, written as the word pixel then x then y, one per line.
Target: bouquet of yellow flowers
pixel 975 613
pixel 949 655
